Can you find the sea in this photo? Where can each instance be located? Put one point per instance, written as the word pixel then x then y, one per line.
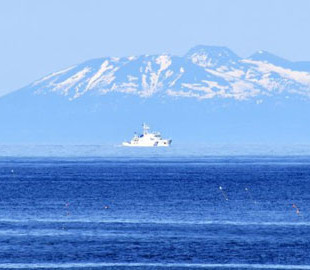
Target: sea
pixel 94 207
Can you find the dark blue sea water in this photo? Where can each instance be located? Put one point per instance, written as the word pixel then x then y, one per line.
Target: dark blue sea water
pixel 155 213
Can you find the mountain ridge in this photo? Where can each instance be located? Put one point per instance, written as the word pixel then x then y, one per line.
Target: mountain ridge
pixel 204 72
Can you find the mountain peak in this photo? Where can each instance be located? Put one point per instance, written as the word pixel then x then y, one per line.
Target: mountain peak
pixel 211 56
pixel 265 56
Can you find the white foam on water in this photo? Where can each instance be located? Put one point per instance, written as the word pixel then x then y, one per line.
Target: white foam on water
pixel 161 265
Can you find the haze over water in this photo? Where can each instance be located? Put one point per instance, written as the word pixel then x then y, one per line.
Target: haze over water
pixel 176 150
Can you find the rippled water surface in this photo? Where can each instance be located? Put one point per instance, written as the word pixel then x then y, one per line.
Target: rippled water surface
pixel 155 213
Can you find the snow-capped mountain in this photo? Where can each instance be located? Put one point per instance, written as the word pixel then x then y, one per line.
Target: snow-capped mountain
pixel 209 95
pixel 205 72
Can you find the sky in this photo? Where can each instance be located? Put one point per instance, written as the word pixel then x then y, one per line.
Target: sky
pixel 39 36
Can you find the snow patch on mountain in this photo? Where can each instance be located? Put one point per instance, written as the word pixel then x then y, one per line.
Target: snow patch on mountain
pixel 96 78
pixel 267 68
pixel 181 93
pixel 52 75
pixel 66 85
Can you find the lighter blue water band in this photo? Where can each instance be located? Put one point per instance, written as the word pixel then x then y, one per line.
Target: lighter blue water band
pixel 146 222
pixel 162 265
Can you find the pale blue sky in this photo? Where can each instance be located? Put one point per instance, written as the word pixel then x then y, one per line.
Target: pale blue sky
pixel 40 36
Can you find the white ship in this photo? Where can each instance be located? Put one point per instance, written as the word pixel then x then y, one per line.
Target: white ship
pixel 148 139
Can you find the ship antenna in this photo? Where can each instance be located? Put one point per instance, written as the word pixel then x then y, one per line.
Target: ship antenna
pixel 145 128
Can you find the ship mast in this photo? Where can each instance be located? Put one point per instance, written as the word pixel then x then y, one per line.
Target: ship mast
pixel 145 129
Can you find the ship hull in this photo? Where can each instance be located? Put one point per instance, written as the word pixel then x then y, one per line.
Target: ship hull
pixel 163 143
